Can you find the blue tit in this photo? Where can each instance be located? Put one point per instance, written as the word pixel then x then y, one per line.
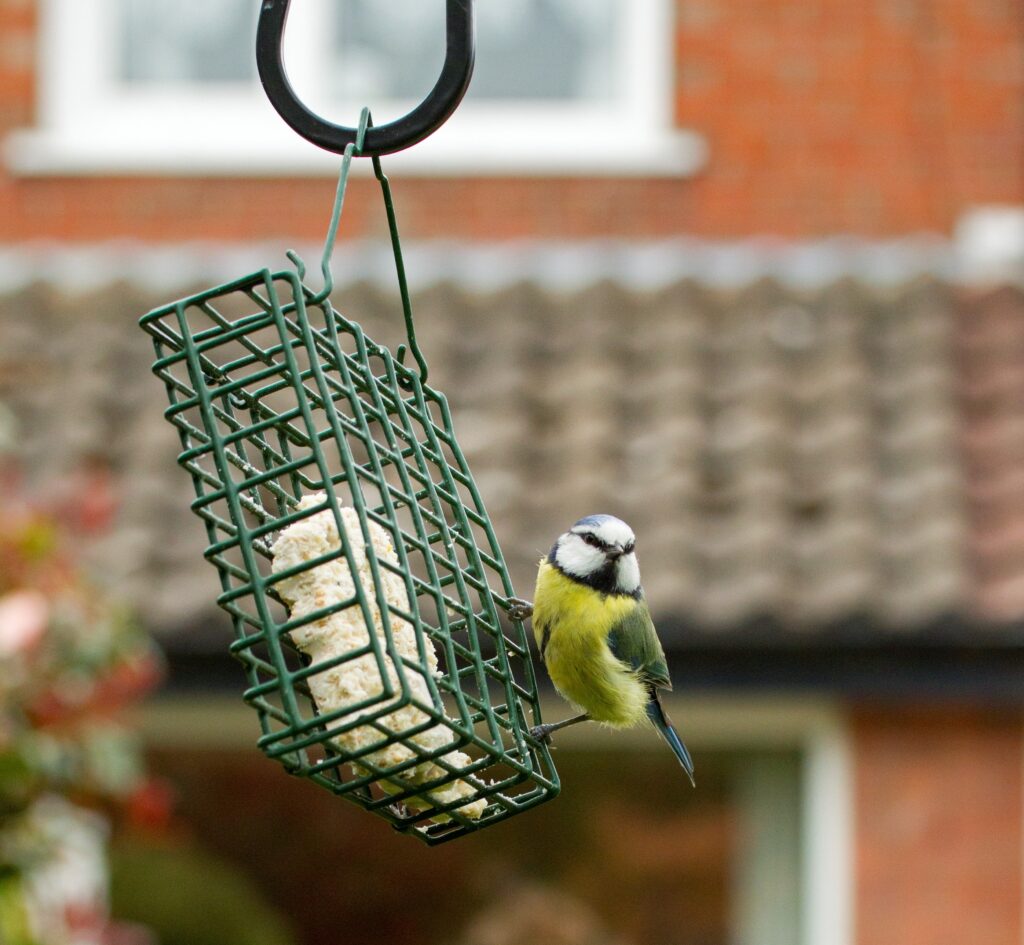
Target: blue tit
pixel 595 632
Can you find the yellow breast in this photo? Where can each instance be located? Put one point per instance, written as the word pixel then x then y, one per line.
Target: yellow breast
pixel 571 623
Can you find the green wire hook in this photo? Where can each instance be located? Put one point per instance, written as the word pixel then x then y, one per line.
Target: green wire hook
pixel 403 286
pixel 354 149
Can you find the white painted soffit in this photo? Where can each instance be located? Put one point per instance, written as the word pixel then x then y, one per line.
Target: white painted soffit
pixel 559 266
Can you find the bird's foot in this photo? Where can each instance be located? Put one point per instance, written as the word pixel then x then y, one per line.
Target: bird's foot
pixel 542 733
pixel 519 609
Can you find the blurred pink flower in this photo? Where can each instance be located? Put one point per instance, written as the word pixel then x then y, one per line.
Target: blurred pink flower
pixel 23 619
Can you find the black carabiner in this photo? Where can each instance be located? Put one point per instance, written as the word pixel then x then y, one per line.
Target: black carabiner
pixel 424 119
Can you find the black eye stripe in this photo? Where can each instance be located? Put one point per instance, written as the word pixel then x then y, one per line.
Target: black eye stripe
pixel 591 539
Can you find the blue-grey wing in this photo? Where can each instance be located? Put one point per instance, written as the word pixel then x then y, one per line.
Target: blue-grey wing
pixel 634 641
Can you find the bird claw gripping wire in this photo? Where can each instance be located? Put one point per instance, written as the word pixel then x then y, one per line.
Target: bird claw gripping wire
pixel 542 733
pixel 519 609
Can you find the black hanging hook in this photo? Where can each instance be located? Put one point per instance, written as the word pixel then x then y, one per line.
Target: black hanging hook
pixel 424 119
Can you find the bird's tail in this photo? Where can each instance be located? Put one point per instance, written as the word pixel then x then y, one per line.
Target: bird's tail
pixel 661 722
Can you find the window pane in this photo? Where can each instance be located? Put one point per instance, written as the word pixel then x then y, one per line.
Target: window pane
pixel 187 40
pixel 526 49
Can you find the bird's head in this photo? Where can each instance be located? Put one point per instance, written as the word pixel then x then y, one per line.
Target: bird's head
pixel 599 550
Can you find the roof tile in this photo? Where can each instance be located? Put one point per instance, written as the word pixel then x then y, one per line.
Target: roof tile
pixel 779 452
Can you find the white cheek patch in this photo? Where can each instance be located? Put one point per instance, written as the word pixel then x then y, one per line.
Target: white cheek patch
pixel 627 575
pixel 575 556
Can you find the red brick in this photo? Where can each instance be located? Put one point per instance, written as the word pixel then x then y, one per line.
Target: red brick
pixel 821 117
pixel 938 814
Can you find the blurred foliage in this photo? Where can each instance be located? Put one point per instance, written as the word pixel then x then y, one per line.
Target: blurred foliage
pixel 190 898
pixel 71 661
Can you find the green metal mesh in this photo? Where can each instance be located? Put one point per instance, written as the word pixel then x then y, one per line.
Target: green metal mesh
pixel 276 397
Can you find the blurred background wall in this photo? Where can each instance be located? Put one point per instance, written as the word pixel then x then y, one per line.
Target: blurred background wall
pixel 746 274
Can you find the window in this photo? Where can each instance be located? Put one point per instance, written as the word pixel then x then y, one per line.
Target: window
pixel 190 42
pixel 148 85
pixel 759 854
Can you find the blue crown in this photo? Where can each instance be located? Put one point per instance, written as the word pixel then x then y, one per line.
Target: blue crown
pixel 596 521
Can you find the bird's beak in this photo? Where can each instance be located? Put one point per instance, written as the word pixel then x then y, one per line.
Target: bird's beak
pixel 615 552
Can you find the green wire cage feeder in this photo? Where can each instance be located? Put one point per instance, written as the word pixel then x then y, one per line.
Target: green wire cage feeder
pixel 358 564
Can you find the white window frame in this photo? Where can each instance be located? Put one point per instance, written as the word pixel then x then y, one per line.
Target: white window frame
pixel 88 123
pixel 818 729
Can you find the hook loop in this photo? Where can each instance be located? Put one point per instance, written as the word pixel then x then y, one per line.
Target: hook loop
pixel 424 119
pixel 355 149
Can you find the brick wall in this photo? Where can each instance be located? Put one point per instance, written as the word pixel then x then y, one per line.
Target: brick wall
pixel 880 117
pixel 822 116
pixel 938 824
pixel 17 62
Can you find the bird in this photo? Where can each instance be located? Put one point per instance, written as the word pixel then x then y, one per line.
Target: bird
pixel 595 633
